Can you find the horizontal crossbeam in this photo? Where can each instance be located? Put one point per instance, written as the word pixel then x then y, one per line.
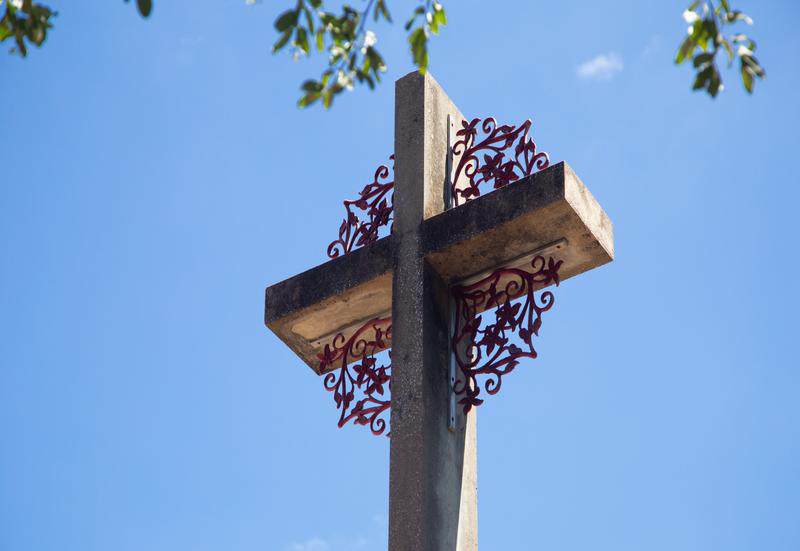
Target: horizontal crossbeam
pixel 506 226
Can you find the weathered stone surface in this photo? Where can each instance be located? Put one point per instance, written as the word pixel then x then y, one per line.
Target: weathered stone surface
pixel 427 466
pixel 510 222
pixel 307 310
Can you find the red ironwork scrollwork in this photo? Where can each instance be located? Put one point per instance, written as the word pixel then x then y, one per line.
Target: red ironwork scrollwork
pixel 485 349
pixel 352 368
pixel 497 166
pixel 373 201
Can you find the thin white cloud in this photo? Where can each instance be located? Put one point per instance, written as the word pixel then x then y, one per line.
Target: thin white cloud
pixel 601 67
pixel 314 544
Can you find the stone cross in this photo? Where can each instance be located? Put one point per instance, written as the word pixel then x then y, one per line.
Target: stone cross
pixel 403 292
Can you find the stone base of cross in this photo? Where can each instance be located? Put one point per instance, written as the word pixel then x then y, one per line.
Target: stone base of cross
pixel 454 257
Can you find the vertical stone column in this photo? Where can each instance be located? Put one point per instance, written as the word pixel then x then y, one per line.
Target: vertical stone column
pixel 432 473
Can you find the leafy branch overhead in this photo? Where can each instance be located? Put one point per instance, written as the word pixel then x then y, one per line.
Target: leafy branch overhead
pixel 350 46
pixel 24 21
pixel 27 21
pixel 352 57
pixel 705 38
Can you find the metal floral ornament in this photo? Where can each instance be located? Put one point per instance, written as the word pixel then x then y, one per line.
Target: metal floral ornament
pixel 365 376
pixel 482 348
pixel 497 165
pixel 376 205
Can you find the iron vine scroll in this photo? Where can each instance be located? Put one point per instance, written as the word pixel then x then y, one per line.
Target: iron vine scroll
pixel 497 166
pixel 482 347
pixel 371 380
pixel 374 200
pixel 360 384
pixel 485 349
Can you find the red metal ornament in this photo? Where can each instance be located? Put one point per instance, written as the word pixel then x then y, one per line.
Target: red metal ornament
pixel 485 349
pixel 365 376
pixel 497 166
pixel 373 201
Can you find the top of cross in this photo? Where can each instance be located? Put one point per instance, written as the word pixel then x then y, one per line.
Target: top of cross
pixel 340 311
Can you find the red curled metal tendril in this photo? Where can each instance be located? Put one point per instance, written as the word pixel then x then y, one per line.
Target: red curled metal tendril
pixel 373 200
pixel 485 348
pixel 372 381
pixel 496 165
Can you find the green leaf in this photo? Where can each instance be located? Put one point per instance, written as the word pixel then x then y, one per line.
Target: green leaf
pixel 747 78
pixel 714 84
pixel 752 63
pixel 23 50
pixel 417 12
pixel 375 61
pixel 701 59
pixel 737 15
pixel 286 20
pixel 440 17
pixel 309 19
pixel 145 7
pixel 382 10
pixel 702 78
pixel 419 48
pixel 697 28
pixel 686 48
pixel 433 24
pixel 706 31
pixel 282 41
pixel 320 40
pixel 301 39
pixel 308 99
pixel 714 33
pixel 729 50
pixel 312 86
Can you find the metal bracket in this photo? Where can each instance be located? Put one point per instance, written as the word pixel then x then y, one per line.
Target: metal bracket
pixel 448 167
pixel 451 367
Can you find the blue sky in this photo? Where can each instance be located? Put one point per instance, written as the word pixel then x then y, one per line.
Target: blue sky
pixel 156 177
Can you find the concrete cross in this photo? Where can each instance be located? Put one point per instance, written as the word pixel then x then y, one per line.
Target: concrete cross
pixel 403 292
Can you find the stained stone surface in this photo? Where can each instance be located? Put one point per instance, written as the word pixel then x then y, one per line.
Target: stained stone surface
pixel 547 207
pixel 309 309
pixel 429 468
